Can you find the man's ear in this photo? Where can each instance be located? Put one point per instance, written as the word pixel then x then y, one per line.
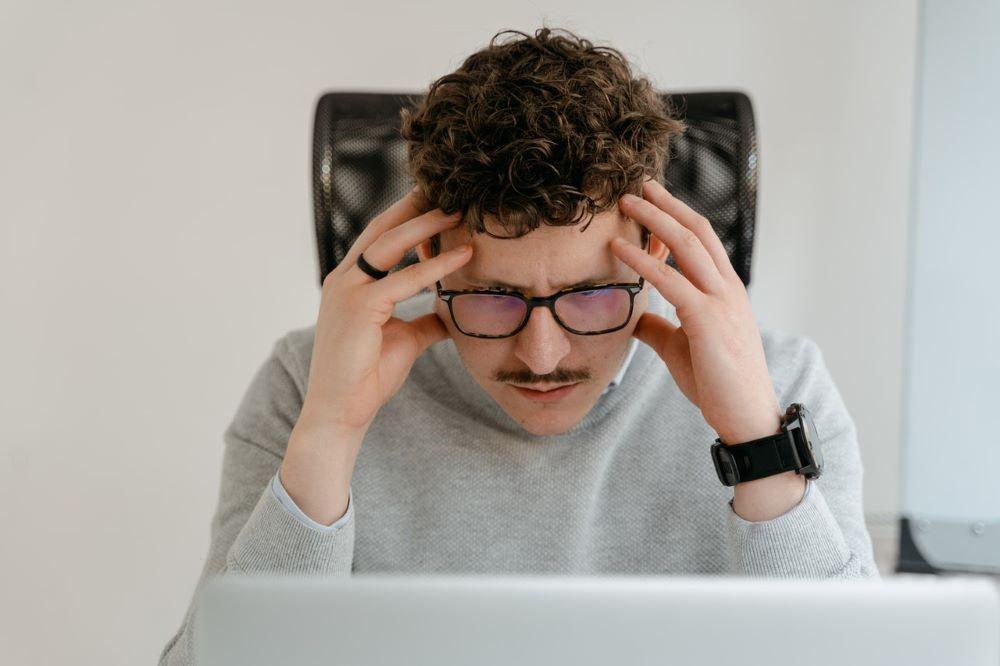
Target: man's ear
pixel 657 249
pixel 424 250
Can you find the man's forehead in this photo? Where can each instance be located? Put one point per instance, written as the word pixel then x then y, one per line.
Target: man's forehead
pixel 597 231
pixel 578 257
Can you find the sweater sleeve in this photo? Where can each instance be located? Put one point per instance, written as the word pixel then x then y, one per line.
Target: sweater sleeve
pixel 824 535
pixel 251 531
pixel 286 501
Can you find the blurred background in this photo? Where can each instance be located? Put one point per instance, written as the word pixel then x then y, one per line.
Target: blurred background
pixel 156 238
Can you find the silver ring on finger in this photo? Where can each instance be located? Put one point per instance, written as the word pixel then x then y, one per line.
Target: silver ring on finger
pixel 369 269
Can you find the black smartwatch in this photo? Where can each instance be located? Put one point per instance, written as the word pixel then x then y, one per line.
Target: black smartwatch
pixel 796 448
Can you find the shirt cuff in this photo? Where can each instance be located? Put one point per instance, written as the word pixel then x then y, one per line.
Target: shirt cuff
pixel 286 501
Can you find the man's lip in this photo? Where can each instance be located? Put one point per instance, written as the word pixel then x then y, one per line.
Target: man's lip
pixel 544 388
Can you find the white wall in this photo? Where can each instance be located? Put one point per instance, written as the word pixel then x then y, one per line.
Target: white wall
pixel 156 239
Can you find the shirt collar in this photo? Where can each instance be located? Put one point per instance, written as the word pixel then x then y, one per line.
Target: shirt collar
pixel 617 379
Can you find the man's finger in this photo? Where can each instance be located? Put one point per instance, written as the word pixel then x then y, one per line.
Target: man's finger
pixel 402 210
pixel 397 287
pixel 388 249
pixel 672 285
pixel 688 249
pixel 697 223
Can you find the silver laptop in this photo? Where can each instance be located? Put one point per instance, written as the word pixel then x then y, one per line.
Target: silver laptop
pixel 608 621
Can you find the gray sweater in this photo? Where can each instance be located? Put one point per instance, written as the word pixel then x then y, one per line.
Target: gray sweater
pixel 289 503
pixel 447 482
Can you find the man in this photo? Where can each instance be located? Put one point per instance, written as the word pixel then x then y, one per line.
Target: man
pixel 563 434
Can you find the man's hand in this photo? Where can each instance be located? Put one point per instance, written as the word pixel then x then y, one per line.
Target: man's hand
pixel 716 355
pixel 362 354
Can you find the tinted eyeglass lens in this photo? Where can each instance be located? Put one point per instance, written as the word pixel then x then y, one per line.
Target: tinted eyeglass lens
pixel 487 314
pixel 594 310
pixel 585 311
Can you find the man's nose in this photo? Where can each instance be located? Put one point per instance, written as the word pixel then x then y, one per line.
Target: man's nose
pixel 542 343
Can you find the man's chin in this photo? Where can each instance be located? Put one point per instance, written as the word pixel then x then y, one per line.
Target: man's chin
pixel 540 418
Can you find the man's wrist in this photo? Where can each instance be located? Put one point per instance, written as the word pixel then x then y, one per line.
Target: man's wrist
pixel 771 496
pixel 768 498
pixel 317 468
pixel 764 426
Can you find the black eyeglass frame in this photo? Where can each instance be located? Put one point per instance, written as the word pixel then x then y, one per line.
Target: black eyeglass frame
pixel 549 302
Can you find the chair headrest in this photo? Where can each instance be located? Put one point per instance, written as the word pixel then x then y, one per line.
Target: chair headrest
pixel 359 167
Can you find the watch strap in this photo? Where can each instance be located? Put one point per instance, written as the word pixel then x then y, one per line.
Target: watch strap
pixel 756 459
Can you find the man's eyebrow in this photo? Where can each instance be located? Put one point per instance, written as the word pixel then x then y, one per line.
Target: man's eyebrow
pixel 488 282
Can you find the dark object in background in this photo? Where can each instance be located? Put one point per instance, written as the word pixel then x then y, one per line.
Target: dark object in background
pixel 359 168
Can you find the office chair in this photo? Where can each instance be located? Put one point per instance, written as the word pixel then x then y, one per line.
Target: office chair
pixel 359 168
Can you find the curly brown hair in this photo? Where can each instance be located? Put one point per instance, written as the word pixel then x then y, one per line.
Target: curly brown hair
pixel 546 128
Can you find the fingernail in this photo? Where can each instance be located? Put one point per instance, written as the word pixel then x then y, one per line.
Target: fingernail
pixel 461 249
pixel 631 199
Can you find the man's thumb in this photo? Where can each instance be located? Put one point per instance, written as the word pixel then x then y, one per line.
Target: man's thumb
pixel 428 330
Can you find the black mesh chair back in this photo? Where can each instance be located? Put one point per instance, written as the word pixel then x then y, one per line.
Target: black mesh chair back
pixel 359 168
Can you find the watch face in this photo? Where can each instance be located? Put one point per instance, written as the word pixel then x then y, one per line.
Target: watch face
pixel 812 438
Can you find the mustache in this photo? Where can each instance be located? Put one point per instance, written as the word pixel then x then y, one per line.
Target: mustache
pixel 559 376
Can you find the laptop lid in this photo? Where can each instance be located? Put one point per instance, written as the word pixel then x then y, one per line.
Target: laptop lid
pixel 444 620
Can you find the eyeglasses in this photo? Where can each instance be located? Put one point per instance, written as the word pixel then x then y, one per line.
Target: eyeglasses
pixel 593 309
pixel 499 313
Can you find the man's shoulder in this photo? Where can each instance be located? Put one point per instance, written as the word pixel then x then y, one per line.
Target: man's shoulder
pixel 295 348
pixel 781 344
pixel 793 359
